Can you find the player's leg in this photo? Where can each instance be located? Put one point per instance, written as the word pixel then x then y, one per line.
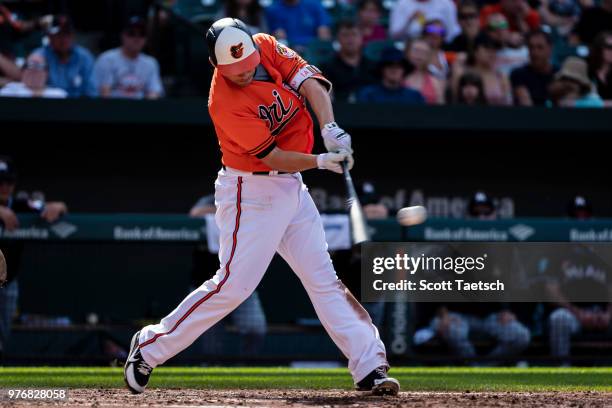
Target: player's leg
pixel 346 321
pixel 252 216
pixel 562 325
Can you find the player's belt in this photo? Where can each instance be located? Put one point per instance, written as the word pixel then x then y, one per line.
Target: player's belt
pixel 257 173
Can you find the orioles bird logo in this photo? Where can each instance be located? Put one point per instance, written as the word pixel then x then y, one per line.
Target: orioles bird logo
pixel 237 50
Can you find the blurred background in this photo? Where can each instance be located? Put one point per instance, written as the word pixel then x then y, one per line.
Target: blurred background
pixel 491 114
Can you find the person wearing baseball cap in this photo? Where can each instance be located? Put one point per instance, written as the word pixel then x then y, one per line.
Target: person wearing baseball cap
pixel 580 208
pixel 70 66
pixel 12 204
pixel 481 207
pixel 126 72
pixel 258 105
pixel 392 68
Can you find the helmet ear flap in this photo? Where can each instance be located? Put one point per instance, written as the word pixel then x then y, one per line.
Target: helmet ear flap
pixel 211 39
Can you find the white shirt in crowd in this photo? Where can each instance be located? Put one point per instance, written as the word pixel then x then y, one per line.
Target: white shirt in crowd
pixel 128 78
pixel 510 58
pixel 403 10
pixel 19 90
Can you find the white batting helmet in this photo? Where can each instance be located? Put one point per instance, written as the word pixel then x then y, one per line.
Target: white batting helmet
pixel 231 47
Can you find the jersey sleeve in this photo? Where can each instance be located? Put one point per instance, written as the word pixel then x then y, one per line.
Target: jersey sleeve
pixel 292 67
pixel 245 130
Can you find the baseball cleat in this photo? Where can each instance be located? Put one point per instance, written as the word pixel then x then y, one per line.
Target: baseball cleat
pixel 136 371
pixel 379 383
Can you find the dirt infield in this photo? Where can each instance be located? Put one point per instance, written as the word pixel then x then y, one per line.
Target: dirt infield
pixel 328 398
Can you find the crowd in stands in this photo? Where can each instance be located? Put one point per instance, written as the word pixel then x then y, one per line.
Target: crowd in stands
pixel 474 52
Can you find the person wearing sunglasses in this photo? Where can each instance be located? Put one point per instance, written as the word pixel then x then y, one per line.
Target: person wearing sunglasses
pixel 467 15
pixel 33 83
pixel 511 50
pixel 434 33
pixel 126 72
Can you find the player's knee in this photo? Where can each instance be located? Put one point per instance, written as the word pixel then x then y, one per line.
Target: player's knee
pixel 519 337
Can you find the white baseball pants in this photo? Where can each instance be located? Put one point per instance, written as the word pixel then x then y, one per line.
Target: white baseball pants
pixel 258 216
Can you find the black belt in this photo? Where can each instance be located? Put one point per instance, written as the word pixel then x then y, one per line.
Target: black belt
pixel 263 173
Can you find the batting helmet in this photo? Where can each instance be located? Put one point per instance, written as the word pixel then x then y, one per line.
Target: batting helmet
pixel 231 47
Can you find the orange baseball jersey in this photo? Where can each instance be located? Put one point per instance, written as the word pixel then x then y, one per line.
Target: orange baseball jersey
pixel 250 121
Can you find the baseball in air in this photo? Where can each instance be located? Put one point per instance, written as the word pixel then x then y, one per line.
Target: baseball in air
pixel 415 215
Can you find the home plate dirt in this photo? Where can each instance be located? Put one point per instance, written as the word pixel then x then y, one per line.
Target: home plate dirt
pixel 312 398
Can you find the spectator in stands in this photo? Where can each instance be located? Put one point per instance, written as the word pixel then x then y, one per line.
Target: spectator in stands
pixel 350 69
pixel 482 62
pixel 298 21
pixel 470 27
pixel 10 206
pixel 521 18
pixel 471 90
pixel 249 11
pixel 593 21
pixel 126 72
pixel 572 86
pixel 368 21
pixel 511 50
pixel 530 83
pixel 600 64
pixel 560 15
pixel 249 318
pixel 434 33
pixel 34 82
pixel 391 88
pixel 408 17
pixel 9 72
pixel 70 66
pixel 577 273
pixel 420 78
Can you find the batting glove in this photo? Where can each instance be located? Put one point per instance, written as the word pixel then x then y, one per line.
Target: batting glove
pixel 335 138
pixel 333 161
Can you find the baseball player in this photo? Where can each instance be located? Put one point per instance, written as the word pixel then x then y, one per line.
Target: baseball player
pixel 257 103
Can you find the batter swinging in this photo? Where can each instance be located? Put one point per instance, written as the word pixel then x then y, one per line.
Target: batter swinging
pixel 258 106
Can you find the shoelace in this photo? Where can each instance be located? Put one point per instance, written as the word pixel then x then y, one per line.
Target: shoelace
pixel 144 368
pixel 381 371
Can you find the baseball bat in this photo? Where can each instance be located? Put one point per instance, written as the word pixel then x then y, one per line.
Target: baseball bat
pixel 359 227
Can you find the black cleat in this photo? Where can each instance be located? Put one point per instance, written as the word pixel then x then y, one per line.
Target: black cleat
pixel 137 371
pixel 379 383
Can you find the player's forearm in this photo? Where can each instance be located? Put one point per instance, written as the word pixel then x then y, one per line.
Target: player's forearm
pixel 319 100
pixel 284 160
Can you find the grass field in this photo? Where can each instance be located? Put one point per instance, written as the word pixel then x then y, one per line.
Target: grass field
pixel 412 379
